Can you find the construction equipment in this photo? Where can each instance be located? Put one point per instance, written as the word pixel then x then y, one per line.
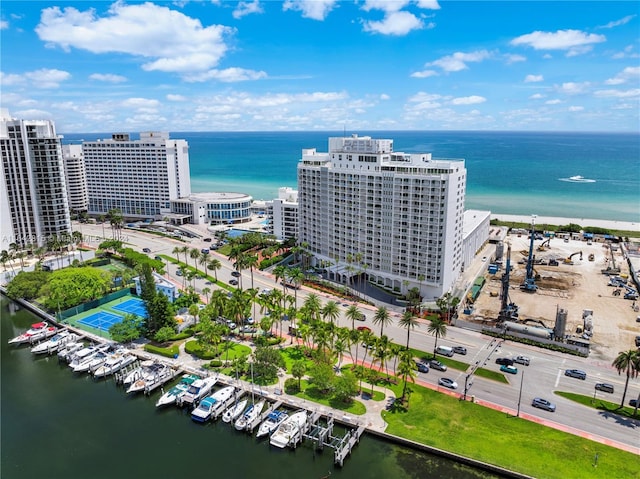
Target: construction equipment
pixel 530 281
pixel 569 260
pixel 631 293
pixel 508 310
pixel 591 257
pixel 611 269
pixel 544 245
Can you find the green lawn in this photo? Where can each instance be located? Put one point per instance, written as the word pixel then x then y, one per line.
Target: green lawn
pixel 310 393
pixel 598 403
pixel 487 435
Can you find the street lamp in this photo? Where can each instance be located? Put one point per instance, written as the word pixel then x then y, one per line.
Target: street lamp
pixel 520 394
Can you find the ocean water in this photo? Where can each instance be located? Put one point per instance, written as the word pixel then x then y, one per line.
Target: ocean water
pixel 520 173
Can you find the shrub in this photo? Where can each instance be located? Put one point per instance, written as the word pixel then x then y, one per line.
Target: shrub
pixel 291 386
pixel 193 347
pixel 216 363
pixel 169 352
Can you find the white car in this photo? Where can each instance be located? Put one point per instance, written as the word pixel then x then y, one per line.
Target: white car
pixel 448 383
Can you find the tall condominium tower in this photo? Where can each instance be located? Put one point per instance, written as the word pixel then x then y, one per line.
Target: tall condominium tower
pixel 76 177
pixel 138 177
pixel 34 208
pixel 395 217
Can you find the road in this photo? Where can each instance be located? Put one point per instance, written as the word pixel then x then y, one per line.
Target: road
pixel 541 378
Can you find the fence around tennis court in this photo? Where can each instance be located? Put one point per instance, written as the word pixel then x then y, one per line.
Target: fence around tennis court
pixel 81 308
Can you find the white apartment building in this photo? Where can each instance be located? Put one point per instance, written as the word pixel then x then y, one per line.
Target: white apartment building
pixel 395 217
pixel 76 177
pixel 35 207
pixel 283 214
pixel 224 208
pixel 138 177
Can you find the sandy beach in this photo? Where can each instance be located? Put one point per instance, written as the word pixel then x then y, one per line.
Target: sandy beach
pixel 556 220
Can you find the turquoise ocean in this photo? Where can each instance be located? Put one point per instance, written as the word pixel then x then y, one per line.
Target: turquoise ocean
pixel 518 173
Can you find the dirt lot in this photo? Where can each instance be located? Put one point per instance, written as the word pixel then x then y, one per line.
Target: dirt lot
pixel 573 287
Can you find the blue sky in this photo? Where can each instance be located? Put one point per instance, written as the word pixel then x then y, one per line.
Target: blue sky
pixel 322 65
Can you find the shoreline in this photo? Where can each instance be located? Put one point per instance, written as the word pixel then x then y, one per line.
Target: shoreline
pixel 559 220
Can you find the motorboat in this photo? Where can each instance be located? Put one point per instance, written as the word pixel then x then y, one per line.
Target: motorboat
pixel 37 332
pixel 198 390
pixel 85 355
pixel 250 415
pixel 205 410
pixel 68 350
pixel 271 423
pixel 290 430
pixel 137 373
pixel 177 391
pixel 117 360
pixel 222 397
pixel 234 411
pixel 92 364
pixel 156 373
pixel 55 342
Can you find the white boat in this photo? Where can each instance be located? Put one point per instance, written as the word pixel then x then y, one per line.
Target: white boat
pixel 55 342
pixel 290 430
pixel 88 366
pixel 137 373
pixel 234 411
pixel 37 332
pixel 177 391
pixel 85 355
pixel 274 419
pixel 212 404
pixel 198 390
pixel 250 415
pixel 115 361
pixel 578 179
pixel 68 350
pixel 154 374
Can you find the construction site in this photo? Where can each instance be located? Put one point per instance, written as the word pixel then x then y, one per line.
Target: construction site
pixel 573 289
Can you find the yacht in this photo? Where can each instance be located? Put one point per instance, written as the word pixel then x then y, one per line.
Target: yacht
pixel 205 410
pixel 235 410
pixel 85 355
pixel 55 342
pixel 152 375
pixel 177 391
pixel 36 332
pixel 198 390
pixel 93 363
pixel 290 430
pixel 250 415
pixel 117 360
pixel 274 419
pixel 68 350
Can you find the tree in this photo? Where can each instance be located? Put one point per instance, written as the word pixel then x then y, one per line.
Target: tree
pixel 322 377
pixel 147 283
pixel 267 362
pixel 164 334
pixel 331 311
pixel 437 327
pixel 194 254
pixel 127 330
pixel 353 314
pixel 409 322
pixel 629 362
pixel 214 265
pixel 27 284
pixel 345 387
pixel 298 370
pixel 407 371
pixel 382 318
pixel 160 313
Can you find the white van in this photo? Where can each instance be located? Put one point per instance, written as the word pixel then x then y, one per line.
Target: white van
pixel 444 351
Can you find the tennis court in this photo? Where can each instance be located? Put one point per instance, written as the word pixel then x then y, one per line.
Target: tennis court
pixel 101 320
pixel 132 306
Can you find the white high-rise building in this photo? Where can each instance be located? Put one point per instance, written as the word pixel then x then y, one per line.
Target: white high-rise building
pixel 35 207
pixel 395 217
pixel 76 177
pixel 283 214
pixel 138 177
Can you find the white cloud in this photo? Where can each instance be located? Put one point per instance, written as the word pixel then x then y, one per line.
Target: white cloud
pixel 32 114
pixel 424 74
pixel 633 93
pixel 533 78
pixel 536 96
pixel 172 97
pixel 384 96
pixel 511 58
pixel 395 23
pixel 247 8
pixel 468 100
pixel 553 102
pixel 227 75
pixel 313 9
pixel 4 24
pixel 425 101
pixel 172 40
pixel 576 108
pixel 108 77
pixel 627 52
pixel 574 41
pixel 43 78
pixel 428 4
pixel 458 61
pixel 629 73
pixel 617 23
pixel 141 103
pixel 573 88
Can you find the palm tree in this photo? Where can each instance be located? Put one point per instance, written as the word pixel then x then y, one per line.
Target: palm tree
pixel 204 261
pixel 296 277
pixel 353 314
pixel 194 254
pixel 214 265
pixel 313 306
pixel 382 318
pixel 251 262
pixel 438 328
pixel 280 272
pixel 185 251
pixel 206 291
pixel 409 322
pixel 407 371
pixel 331 311
pixel 177 250
pixel 629 362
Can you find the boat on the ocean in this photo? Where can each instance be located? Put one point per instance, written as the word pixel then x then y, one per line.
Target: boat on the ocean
pixel 55 342
pixel 250 415
pixel 37 332
pixel 198 390
pixel 156 373
pixel 211 405
pixel 116 360
pixel 177 391
pixel 235 410
pixel 271 423
pixel 290 430
pixel 83 357
pixel 578 179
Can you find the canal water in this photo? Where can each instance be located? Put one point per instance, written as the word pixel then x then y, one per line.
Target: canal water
pixel 57 425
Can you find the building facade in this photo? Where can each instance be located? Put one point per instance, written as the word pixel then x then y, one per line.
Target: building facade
pixel 212 208
pixel 76 177
pixel 138 177
pixel 282 213
pixel 35 207
pixel 394 217
pixel 163 286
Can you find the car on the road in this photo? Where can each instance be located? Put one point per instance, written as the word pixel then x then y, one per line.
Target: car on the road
pixel 422 367
pixel 460 350
pixel 178 272
pixel 249 320
pixel 522 360
pixel 484 259
pixel 158 258
pixel 248 330
pixel 448 383
pixel 605 387
pixel 205 250
pixel 361 317
pixel 504 361
pixel 265 291
pixel 235 273
pixel 208 240
pixel 576 373
pixel 233 282
pixel 543 404
pixel 435 364
pixel 509 369
pixel 633 402
pixel 146 250
pixel 363 328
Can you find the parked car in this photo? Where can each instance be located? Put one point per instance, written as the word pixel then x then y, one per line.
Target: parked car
pixel 509 369
pixel 146 250
pixel 633 402
pixel 576 373
pixel 363 328
pixel 235 273
pixel 233 282
pixel 422 367
pixel 460 350
pixel 158 258
pixel 435 364
pixel 504 361
pixel 179 272
pixel 522 360
pixel 208 240
pixel 448 383
pixel 204 250
pixel 605 387
pixel 361 317
pixel 543 404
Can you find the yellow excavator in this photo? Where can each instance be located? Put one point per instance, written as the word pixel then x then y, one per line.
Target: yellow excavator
pixel 569 260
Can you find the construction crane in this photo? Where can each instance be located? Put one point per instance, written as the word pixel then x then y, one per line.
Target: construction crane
pixel 530 280
pixel 508 310
pixel 611 269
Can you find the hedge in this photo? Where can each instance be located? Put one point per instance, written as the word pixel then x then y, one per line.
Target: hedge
pixel 169 352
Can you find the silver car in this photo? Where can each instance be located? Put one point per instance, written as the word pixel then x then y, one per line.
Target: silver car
pixel 543 404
